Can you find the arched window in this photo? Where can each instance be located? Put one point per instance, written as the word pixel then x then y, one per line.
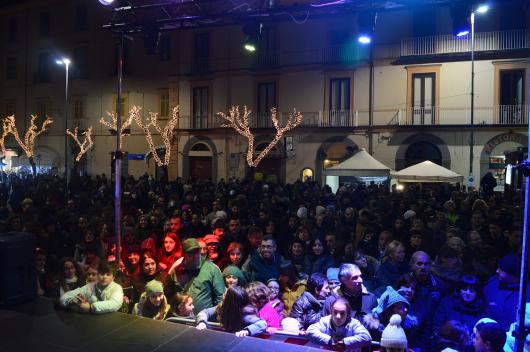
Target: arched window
pixel 200 147
pixel 421 151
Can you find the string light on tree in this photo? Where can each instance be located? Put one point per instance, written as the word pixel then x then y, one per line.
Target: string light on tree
pixel 166 134
pixel 87 143
pixel 28 144
pixel 241 125
pixel 113 123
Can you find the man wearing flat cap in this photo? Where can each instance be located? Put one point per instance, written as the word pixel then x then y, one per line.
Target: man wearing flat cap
pixel 199 278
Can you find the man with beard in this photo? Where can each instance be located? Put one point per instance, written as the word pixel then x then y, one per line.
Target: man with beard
pixel 265 263
pixel 429 292
pixel 197 277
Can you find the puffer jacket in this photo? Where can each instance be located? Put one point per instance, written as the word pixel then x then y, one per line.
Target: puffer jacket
pixel 307 309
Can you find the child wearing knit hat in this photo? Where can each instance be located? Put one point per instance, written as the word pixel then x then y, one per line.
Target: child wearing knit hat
pixel 153 303
pixel 390 303
pixel 233 276
pixel 393 338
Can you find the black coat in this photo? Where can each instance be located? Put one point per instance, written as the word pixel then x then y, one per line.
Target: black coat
pixel 307 310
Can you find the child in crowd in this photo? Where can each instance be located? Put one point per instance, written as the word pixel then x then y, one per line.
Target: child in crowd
pixel 91 274
pixel 274 292
pixel 488 336
pixel 393 338
pixel 182 308
pixel 233 276
pixel 235 313
pixel 103 296
pixel 153 303
pixel 259 297
pixel 340 330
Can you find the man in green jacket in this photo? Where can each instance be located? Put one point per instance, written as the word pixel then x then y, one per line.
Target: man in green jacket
pixel 199 278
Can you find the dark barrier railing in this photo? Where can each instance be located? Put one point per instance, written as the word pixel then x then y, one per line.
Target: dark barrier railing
pixel 279 335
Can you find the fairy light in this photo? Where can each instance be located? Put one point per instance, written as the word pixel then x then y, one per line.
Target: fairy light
pixel 28 145
pixel 241 125
pixel 166 134
pixel 87 143
pixel 113 123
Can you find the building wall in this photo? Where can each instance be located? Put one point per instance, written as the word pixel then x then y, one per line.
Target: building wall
pixel 308 49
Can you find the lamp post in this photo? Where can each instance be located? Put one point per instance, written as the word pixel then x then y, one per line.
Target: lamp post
pixel 366 39
pixel 480 9
pixel 66 62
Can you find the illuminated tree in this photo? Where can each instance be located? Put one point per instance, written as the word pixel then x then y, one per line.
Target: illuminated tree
pixel 241 125
pixel 28 144
pixel 113 124
pixel 166 134
pixel 87 143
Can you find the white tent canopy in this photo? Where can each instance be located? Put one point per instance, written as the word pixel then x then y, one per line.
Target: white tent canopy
pixel 361 164
pixel 426 171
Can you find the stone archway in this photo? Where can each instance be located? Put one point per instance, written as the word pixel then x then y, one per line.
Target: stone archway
pixel 321 155
pixel 503 138
pixel 186 156
pixel 422 137
pixel 275 153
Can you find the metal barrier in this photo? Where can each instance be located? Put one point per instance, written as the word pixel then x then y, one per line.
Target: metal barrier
pixel 279 335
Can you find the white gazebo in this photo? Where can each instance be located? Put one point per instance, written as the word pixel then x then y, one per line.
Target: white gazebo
pixel 361 165
pixel 426 171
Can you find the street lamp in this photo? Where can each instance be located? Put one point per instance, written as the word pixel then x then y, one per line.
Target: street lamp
pixel 479 9
pixel 66 62
pixel 366 39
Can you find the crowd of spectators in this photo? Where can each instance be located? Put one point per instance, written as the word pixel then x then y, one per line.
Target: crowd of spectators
pixel 419 268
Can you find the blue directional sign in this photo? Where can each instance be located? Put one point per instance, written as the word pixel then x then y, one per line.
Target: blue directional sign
pixel 136 156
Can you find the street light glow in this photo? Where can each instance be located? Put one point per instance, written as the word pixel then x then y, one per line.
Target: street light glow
pixel 463 32
pixel 482 9
pixel 106 2
pixel 250 47
pixel 64 61
pixel 364 39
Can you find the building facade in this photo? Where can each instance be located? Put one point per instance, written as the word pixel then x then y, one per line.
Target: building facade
pixel 421 86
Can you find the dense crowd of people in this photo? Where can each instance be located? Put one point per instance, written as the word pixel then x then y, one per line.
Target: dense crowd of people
pixel 429 268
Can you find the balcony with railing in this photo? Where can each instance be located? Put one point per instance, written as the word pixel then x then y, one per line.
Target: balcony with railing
pixel 499 115
pixel 450 44
pixel 505 115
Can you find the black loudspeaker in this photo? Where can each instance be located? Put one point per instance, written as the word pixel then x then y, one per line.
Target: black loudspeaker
pixel 18 282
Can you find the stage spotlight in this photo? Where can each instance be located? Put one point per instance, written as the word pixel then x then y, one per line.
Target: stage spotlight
pixel 106 2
